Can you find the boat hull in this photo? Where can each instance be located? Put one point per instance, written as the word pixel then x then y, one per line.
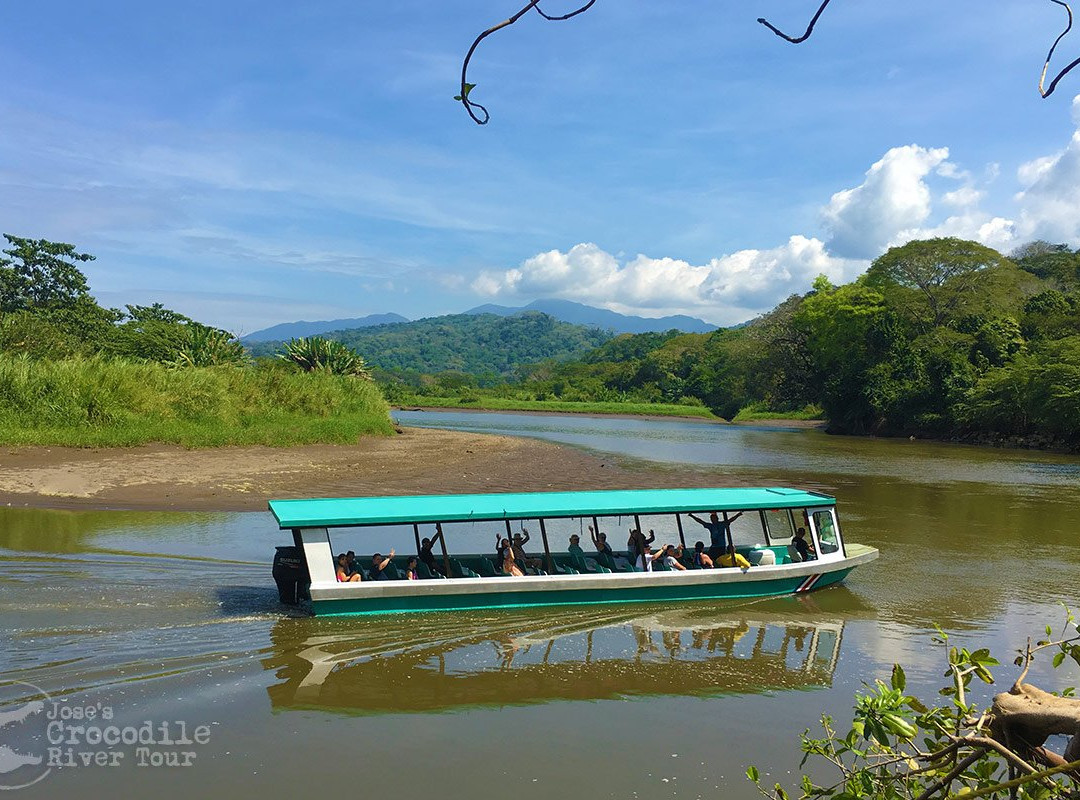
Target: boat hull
pixel 386 597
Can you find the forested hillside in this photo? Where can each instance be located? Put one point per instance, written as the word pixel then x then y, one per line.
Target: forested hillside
pixel 485 346
pixel 942 338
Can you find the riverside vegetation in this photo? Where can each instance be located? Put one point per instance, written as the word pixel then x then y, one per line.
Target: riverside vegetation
pixel 900 748
pixel 942 338
pixel 75 373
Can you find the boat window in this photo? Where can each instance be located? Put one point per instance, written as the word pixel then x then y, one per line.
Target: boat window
pixel 779 522
pixel 826 530
pixel 747 529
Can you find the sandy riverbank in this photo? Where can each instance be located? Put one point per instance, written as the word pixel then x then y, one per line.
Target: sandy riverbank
pixel 418 461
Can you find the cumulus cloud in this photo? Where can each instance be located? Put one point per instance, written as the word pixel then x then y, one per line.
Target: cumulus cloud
pixel 724 290
pixel 1050 199
pixel 894 197
pixel 912 192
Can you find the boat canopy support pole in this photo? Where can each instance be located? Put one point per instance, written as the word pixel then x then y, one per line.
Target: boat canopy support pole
pixel 682 536
pixel 442 546
pixel 730 541
pixel 547 551
pixel 320 561
pixel 416 535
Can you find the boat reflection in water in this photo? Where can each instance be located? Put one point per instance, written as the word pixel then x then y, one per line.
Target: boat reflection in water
pixel 444 662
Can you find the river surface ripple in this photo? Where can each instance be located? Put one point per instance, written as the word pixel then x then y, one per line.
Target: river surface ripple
pixel 169 617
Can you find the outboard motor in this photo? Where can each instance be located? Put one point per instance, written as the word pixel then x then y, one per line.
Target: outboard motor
pixel 291 575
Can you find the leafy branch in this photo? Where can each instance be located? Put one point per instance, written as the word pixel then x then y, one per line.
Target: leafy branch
pixel 899 747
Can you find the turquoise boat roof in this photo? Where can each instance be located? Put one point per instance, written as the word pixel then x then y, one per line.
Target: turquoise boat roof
pixel 356 511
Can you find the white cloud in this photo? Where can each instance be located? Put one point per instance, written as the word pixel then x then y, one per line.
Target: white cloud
pixel 894 197
pixel 901 199
pixel 963 197
pixel 725 290
pixel 1050 200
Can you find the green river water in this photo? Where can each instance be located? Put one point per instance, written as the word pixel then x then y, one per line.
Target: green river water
pixel 164 624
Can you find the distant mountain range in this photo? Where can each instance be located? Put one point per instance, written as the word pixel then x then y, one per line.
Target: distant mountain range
pixel 580 314
pixel 294 330
pixel 562 310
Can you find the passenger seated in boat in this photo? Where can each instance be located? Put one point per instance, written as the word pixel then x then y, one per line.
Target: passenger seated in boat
pixel 802 547
pixel 732 559
pixel 350 561
pixel 507 563
pixel 520 556
pixel 410 569
pixel 575 551
pixel 718 531
pixel 343 573
pixel 637 543
pixel 644 561
pixel 379 564
pixel 700 558
pixel 426 555
pixel 671 555
pixel 599 540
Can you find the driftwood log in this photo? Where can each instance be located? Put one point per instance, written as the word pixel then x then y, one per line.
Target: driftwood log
pixel 1024 717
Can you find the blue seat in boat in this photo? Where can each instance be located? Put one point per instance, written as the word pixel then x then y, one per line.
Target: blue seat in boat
pixel 459 570
pixel 425 572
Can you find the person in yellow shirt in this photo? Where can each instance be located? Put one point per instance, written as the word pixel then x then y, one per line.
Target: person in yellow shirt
pixel 732 559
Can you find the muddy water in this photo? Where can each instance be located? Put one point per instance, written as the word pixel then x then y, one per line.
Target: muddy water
pixel 171 619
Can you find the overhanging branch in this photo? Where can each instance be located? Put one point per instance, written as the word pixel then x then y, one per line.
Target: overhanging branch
pixel 809 28
pixel 478 113
pixel 1046 65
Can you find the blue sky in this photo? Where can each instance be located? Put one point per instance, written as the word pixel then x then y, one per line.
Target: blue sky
pixel 251 163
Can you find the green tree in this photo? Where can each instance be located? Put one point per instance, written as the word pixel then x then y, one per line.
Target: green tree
pixel 39 274
pixel 1053 262
pixel 929 280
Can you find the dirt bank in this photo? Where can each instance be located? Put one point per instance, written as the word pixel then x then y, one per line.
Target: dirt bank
pixel 419 461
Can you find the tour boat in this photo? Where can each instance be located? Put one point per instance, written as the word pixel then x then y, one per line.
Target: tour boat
pixel 760 524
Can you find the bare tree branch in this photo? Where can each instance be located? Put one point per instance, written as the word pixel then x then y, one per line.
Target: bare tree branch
pixel 809 28
pixel 1046 65
pixel 466 87
pixel 480 114
pixel 581 10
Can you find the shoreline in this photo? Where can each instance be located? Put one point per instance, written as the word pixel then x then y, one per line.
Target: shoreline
pixel 761 423
pixel 226 479
pixel 539 412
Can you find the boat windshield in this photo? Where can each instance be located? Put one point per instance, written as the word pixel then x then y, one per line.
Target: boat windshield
pixel 826 531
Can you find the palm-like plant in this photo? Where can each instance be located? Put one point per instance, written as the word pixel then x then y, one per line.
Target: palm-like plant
pixel 210 347
pixel 316 353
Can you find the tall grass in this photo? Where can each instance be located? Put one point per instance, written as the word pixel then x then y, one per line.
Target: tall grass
pixel 88 402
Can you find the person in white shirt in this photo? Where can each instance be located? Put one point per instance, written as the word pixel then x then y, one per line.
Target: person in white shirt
pixel 644 561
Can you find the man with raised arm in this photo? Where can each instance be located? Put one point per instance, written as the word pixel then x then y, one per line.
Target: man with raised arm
pixel 425 553
pixel 379 564
pixel 718 532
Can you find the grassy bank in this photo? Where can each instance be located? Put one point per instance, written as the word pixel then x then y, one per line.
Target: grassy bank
pixel 761 411
pixel 510 404
pixel 100 402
